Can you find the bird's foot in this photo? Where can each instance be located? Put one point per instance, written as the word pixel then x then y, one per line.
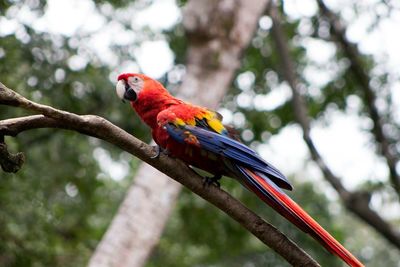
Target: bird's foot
pixel 158 150
pixel 207 181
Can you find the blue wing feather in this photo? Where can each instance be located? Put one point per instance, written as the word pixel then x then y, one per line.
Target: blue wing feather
pixel 231 149
pixel 261 178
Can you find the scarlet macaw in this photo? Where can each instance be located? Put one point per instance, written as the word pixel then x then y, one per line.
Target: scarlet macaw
pixel 197 136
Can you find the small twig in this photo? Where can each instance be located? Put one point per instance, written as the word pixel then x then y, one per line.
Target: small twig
pixel 103 129
pixel 10 162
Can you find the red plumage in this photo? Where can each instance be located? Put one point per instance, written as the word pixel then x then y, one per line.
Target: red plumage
pixel 307 223
pixel 197 136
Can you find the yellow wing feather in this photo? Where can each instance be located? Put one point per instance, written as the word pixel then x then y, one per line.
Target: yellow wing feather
pixel 213 120
pixel 204 118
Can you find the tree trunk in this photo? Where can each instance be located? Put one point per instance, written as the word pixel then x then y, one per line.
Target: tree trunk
pixel 218 32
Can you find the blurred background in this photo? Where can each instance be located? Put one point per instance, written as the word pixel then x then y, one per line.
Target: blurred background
pixel 68 53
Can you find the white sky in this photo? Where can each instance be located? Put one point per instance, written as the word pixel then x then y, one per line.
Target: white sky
pixel 346 148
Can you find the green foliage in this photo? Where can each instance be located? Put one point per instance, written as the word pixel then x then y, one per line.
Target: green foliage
pixel 55 210
pixel 195 224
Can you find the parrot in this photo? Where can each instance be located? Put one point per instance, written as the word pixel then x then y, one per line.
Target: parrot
pixel 197 136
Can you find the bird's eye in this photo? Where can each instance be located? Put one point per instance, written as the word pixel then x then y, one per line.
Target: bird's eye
pixel 135 79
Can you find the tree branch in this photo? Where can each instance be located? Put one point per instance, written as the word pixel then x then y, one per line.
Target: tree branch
pixel 339 33
pixel 10 162
pixel 217 34
pixel 354 201
pixel 103 129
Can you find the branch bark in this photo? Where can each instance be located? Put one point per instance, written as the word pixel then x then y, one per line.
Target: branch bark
pixel 217 33
pixel 338 31
pixel 10 162
pixel 356 202
pixel 103 129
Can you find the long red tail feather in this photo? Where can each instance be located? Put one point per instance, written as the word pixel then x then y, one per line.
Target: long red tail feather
pixel 282 203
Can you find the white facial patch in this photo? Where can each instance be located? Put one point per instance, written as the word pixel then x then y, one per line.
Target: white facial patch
pixel 135 83
pixel 120 88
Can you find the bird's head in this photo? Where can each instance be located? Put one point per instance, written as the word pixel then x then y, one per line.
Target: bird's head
pixel 129 85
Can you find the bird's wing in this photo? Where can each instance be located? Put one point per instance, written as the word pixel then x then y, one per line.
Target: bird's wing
pixel 205 136
pixel 256 174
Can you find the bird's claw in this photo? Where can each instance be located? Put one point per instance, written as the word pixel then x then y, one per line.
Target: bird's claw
pixel 207 181
pixel 158 150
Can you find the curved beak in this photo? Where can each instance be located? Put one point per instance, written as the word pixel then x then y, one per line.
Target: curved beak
pixel 125 92
pixel 130 94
